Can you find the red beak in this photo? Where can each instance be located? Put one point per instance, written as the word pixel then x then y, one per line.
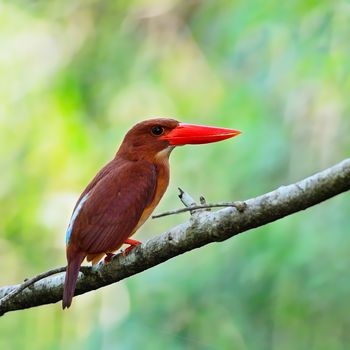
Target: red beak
pixel 185 134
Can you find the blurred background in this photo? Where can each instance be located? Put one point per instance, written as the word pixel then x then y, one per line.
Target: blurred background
pixel 76 75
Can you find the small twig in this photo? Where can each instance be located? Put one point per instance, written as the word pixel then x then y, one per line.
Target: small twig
pixel 186 199
pixel 240 206
pixel 202 200
pixel 28 282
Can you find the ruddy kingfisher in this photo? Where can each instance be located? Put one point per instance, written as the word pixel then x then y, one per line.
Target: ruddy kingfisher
pixel 124 193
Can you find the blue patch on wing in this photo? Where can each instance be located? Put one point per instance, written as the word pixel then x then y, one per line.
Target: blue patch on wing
pixel 74 216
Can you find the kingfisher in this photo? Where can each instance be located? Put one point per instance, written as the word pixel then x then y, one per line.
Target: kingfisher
pixel 124 193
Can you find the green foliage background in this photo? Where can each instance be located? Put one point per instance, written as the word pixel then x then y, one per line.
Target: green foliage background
pixel 75 75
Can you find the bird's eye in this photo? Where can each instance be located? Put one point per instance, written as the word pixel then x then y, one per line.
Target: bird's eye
pixel 157 130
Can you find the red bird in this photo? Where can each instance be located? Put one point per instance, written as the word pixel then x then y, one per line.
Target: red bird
pixel 125 192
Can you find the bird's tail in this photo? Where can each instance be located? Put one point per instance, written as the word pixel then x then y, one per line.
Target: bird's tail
pixel 70 281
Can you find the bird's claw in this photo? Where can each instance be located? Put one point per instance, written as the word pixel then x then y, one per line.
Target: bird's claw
pixel 133 243
pixel 108 258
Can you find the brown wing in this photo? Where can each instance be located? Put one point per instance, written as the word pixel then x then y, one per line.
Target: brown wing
pixel 100 175
pixel 113 206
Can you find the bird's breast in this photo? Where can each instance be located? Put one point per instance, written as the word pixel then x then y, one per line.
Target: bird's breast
pixel 162 183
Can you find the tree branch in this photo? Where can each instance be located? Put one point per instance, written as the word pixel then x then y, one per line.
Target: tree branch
pixel 240 206
pixel 203 228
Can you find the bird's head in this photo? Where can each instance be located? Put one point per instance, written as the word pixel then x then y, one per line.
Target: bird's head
pixel 157 137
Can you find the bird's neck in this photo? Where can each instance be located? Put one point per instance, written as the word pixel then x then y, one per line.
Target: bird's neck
pixel 161 162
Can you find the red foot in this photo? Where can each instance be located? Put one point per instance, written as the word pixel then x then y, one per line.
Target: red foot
pixel 133 243
pixel 108 258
